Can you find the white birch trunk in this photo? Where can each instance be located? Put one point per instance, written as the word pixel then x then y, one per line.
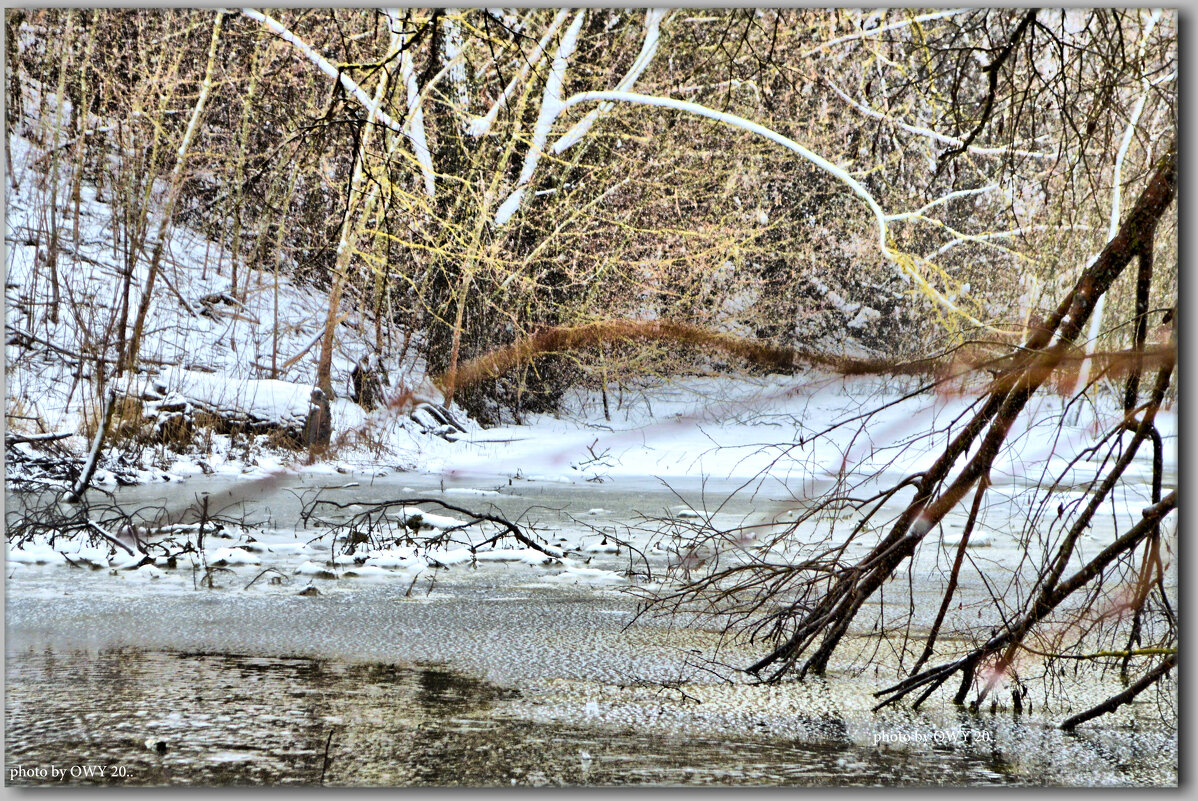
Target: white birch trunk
pixel 480 126
pixel 551 107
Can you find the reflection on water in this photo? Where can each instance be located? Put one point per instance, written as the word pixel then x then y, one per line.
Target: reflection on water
pixel 224 719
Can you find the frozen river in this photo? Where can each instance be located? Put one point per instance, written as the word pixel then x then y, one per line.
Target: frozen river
pixel 495 673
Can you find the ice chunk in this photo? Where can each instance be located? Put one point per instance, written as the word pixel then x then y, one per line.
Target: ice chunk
pixel 233 556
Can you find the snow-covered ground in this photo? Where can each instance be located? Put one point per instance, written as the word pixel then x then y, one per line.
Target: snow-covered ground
pixel 206 351
pixel 257 356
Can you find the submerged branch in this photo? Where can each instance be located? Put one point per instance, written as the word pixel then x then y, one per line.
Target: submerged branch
pixel 475 517
pixel 1116 701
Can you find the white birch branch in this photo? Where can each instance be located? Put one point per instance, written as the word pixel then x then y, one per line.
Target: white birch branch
pixel 75 493
pixel 321 63
pixel 928 132
pixel 905 262
pixel 1129 134
pixel 883 29
pixel 551 107
pixel 414 126
pixel 938 201
pixel 989 235
pixel 653 18
pixel 480 126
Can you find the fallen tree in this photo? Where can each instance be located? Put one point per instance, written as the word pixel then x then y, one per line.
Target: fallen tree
pixel 806 607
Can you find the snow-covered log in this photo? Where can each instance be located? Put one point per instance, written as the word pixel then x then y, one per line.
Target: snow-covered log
pixel 75 493
pixel 259 406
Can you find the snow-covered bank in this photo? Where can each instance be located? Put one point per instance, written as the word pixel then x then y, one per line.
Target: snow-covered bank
pixel 719 428
pixel 246 353
pixel 807 427
pixel 249 354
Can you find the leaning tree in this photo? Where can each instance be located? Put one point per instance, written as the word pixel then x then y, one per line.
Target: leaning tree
pixel 1091 93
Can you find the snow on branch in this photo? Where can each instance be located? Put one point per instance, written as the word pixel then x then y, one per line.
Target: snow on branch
pixel 507 18
pixel 414 127
pixel 653 18
pixel 919 213
pixel 479 126
pixel 986 237
pixel 322 63
pixel 551 107
pixel 907 263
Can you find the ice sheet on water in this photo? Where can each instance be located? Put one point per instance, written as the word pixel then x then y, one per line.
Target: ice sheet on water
pixel 588 575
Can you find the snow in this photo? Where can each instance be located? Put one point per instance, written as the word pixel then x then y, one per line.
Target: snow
pixel 229 360
pixel 310 568
pixel 233 556
pixel 588 575
pixel 288 547
pixel 397 559
pixel 147 573
pixel 67 550
pixel 528 556
pixel 264 401
pixel 453 556
pixel 416 518
pixel 975 541
pixel 368 572
pixel 35 553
